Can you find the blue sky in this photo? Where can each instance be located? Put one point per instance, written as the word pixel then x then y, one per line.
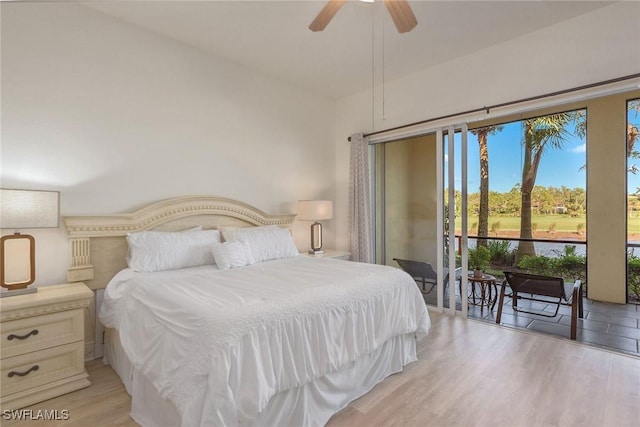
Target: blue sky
pixel 558 167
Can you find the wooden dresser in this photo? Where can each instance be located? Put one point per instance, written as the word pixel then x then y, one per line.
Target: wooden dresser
pixel 42 344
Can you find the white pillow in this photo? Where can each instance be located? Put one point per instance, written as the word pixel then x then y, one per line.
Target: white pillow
pixel 232 255
pixel 266 242
pixel 227 232
pixel 160 250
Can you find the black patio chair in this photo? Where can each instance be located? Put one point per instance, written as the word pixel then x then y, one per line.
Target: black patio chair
pixel 545 289
pixel 423 273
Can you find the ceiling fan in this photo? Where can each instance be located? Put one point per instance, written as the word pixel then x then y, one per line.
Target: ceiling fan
pixel 399 10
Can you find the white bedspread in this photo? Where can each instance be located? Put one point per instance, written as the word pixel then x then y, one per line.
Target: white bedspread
pixel 220 344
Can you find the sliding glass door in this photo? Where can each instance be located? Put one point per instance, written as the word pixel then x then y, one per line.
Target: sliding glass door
pixel 633 202
pixel 406 196
pixel 411 213
pixel 453 141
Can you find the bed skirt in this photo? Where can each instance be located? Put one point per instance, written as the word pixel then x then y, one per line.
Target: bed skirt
pixel 310 405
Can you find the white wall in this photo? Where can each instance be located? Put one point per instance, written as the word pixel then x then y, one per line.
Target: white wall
pixel 116 117
pixel 589 48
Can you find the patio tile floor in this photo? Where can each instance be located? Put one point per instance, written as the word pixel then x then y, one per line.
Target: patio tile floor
pixel 615 327
pixel 604 325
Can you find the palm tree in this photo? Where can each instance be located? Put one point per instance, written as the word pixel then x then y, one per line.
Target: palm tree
pixel 540 134
pixel 483 211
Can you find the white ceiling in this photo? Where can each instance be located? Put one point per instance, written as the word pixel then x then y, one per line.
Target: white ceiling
pixel 272 36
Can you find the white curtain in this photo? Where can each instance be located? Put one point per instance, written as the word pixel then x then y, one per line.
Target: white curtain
pixel 360 201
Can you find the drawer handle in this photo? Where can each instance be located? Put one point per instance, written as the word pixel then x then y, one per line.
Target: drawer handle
pixel 22 337
pixel 22 374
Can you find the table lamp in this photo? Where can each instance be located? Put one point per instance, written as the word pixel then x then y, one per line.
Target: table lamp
pixel 315 210
pixel 23 209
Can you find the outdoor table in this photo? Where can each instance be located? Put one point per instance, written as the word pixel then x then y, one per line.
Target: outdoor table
pixel 482 290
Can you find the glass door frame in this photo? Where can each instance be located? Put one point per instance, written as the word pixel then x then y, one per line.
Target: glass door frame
pixel 450 132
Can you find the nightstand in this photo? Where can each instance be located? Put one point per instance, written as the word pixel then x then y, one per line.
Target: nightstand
pixel 42 336
pixel 329 253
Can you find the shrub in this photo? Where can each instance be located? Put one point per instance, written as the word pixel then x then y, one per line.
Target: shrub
pixel 568 250
pixel 571 265
pixel 500 252
pixel 568 265
pixel 633 277
pixel 537 264
pixel 479 258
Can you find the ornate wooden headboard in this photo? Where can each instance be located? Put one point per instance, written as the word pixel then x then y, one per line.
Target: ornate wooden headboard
pixel 98 243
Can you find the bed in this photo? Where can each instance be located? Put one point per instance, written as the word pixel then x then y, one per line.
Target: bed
pixel 261 336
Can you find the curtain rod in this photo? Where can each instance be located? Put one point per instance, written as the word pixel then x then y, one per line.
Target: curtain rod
pixel 506 104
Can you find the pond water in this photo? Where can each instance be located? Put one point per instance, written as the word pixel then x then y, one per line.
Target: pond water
pixel 552 249
pixel 549 249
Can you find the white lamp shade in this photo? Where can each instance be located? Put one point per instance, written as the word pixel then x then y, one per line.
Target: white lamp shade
pixel 315 210
pixel 29 209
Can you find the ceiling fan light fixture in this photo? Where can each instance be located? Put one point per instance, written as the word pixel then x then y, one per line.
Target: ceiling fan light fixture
pixel 400 12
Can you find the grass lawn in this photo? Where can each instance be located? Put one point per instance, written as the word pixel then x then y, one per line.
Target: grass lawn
pixel 562 223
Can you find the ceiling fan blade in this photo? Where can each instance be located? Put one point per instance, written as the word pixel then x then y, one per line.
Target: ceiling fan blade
pixel 326 14
pixel 401 14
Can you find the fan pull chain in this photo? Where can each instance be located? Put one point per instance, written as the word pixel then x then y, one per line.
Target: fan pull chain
pixel 373 74
pixel 384 117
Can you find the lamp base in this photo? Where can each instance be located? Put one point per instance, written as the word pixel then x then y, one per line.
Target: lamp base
pixel 15 292
pixel 318 252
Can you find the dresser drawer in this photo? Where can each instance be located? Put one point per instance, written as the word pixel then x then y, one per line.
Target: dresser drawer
pixel 41 367
pixel 41 332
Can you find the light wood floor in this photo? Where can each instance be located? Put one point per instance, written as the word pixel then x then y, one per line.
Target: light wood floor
pixel 470 373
